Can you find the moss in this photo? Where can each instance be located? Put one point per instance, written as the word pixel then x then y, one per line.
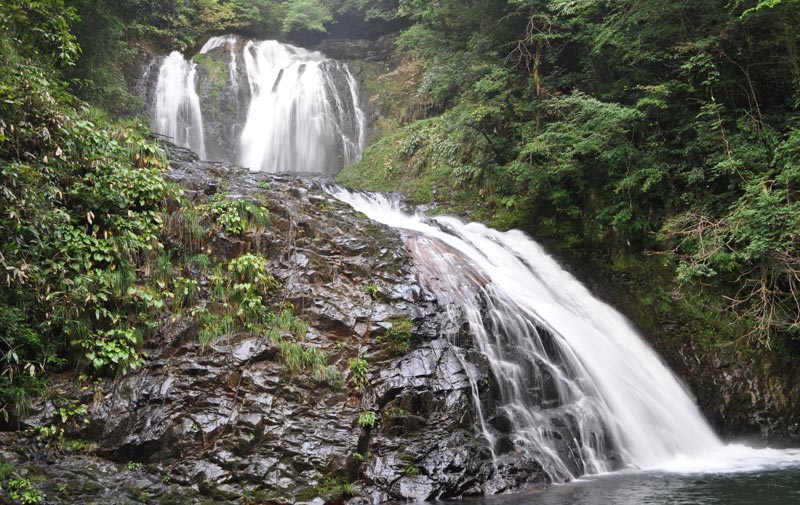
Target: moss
pixel 392 90
pixel 418 160
pixel 215 67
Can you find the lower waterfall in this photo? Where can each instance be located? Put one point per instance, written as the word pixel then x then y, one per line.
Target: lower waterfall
pixel 580 389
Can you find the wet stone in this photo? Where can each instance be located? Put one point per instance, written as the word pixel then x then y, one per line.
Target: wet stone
pixel 232 421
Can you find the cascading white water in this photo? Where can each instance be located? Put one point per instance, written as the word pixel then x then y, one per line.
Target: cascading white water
pixel 176 113
pixel 297 120
pixel 301 108
pixel 581 389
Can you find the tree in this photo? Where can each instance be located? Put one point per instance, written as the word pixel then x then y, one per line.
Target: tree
pixel 309 15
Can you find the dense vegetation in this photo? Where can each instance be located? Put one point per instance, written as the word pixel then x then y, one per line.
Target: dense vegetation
pixel 96 247
pixel 616 128
pixel 82 202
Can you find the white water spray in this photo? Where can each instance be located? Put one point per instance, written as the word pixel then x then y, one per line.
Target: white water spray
pixel 177 114
pixel 298 120
pixel 583 392
pixel 302 108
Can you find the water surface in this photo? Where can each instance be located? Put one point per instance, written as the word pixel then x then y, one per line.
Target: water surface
pixel 772 487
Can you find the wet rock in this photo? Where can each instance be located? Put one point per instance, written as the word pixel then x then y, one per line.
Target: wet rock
pixel 357 49
pixel 416 488
pixel 230 421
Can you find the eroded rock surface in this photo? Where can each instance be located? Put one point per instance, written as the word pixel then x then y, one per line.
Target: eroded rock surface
pixel 231 423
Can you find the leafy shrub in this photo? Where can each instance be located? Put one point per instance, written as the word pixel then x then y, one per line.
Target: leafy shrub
pixel 358 372
pixel 311 15
pixel 398 336
pixel 69 416
pixel 83 200
pixel 251 270
pixel 23 491
pixel 366 419
pixel 115 349
pixel 236 216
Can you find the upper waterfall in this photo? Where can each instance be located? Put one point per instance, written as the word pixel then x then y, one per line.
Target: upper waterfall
pixel 275 107
pixel 580 391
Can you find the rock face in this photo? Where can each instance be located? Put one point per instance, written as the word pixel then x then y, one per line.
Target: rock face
pixel 225 110
pixel 230 421
pixel 743 395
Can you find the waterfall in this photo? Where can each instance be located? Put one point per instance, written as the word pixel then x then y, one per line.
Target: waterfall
pixel 298 120
pixel 176 113
pixel 582 391
pixel 278 108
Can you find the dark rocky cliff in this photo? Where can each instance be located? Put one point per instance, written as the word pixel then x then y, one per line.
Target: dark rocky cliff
pixel 230 422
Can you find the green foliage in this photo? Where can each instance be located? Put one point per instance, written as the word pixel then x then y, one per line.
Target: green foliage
pixel 250 272
pixel 239 15
pixel 238 303
pixel 398 336
pixel 66 418
pixel 42 29
pixel 369 10
pixel 212 326
pixel 5 470
pixel 310 15
pixel 366 419
pixel 765 5
pixel 83 200
pixel 186 293
pixel 411 470
pixel 348 490
pixel 609 128
pixel 358 372
pixel 180 24
pixel 332 487
pixel 236 216
pixel 393 411
pixel 25 357
pixel 116 348
pixel 186 228
pixel 22 490
pixel 424 158
pixel 757 236
pixel 201 262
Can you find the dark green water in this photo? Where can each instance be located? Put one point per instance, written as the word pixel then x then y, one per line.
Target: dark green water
pixel 774 487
